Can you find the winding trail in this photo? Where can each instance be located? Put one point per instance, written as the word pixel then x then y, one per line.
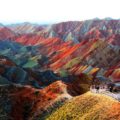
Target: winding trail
pixel 105 92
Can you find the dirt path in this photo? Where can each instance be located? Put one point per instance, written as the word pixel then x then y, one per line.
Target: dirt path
pixel 105 92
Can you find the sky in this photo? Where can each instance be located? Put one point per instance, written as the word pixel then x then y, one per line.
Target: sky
pixel 52 11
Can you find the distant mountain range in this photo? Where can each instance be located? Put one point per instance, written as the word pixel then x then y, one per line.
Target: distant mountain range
pixel 73 30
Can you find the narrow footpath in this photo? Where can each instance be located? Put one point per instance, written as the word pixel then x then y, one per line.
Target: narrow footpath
pixel 105 92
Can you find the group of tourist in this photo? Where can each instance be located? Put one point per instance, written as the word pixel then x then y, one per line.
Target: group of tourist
pixel 97 88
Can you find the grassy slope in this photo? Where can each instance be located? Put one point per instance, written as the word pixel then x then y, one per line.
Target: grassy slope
pixel 88 106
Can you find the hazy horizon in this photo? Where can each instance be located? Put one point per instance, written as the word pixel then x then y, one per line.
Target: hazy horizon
pixel 55 11
pixel 46 23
